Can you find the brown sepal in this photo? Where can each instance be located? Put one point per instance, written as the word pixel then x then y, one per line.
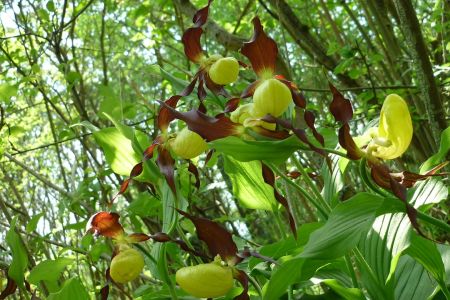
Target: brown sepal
pixel 277 134
pixel 347 142
pixel 209 128
pixel 269 178
pixel 166 165
pixel 340 107
pixel 191 43
pixel 137 237
pixel 217 238
pixel 300 133
pixel 242 277
pixel 104 292
pixel 246 253
pixel 194 171
pixel 9 289
pixel 261 50
pixel 298 98
pixel 209 155
pixel 400 192
pixel 201 16
pixel 164 115
pixel 250 89
pixel 408 179
pixel 106 224
pixel 310 119
pixel 232 105
pixel 217 89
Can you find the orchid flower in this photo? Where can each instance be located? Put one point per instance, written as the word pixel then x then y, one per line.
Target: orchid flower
pixel 394 133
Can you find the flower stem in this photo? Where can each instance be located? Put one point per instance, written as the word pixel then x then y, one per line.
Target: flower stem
pixel 310 183
pixel 430 220
pixel 323 212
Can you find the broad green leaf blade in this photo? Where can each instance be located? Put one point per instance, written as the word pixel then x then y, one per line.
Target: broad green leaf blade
pixel 381 249
pixel 412 280
pixel 439 157
pixel 425 252
pixel 333 180
pixel 19 255
pixel 271 151
pixel 342 231
pixel 388 238
pixel 346 293
pixel 72 289
pixel 429 191
pixel 120 153
pixel 49 270
pixel 32 224
pixel 282 277
pixel 248 184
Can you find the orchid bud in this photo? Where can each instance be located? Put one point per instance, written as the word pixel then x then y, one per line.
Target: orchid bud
pixel 394 133
pixel 271 97
pixel 224 70
pixel 188 144
pixel 205 280
pixel 126 265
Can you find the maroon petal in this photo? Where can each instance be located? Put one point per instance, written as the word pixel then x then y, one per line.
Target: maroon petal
pixel 192 46
pixel 250 89
pixel 164 116
pixel 298 98
pixel 10 289
pixel 347 142
pixel 194 171
pixel 106 224
pixel 104 292
pixel 300 133
pixel 232 105
pixel 310 119
pixel 201 16
pixel 217 238
pixel 408 179
pixel 340 107
pixel 137 237
pixel 217 89
pixel 209 128
pixel 400 192
pixel 269 178
pixel 242 277
pixel 162 237
pixel 261 50
pixel 166 166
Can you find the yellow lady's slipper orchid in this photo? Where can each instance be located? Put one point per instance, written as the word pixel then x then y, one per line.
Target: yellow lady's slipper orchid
pixel 394 133
pixel 126 265
pixel 244 115
pixel 271 97
pixel 205 280
pixel 188 144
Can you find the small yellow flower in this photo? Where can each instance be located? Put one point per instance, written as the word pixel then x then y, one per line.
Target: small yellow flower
pixel 271 97
pixel 224 70
pixel 206 280
pixel 394 133
pixel 188 144
pixel 244 115
pixel 126 265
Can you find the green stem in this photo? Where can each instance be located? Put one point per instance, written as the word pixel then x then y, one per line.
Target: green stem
pixel 310 183
pixel 365 177
pixel 348 261
pixel 428 219
pixel 302 191
pixel 279 223
pixel 256 286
